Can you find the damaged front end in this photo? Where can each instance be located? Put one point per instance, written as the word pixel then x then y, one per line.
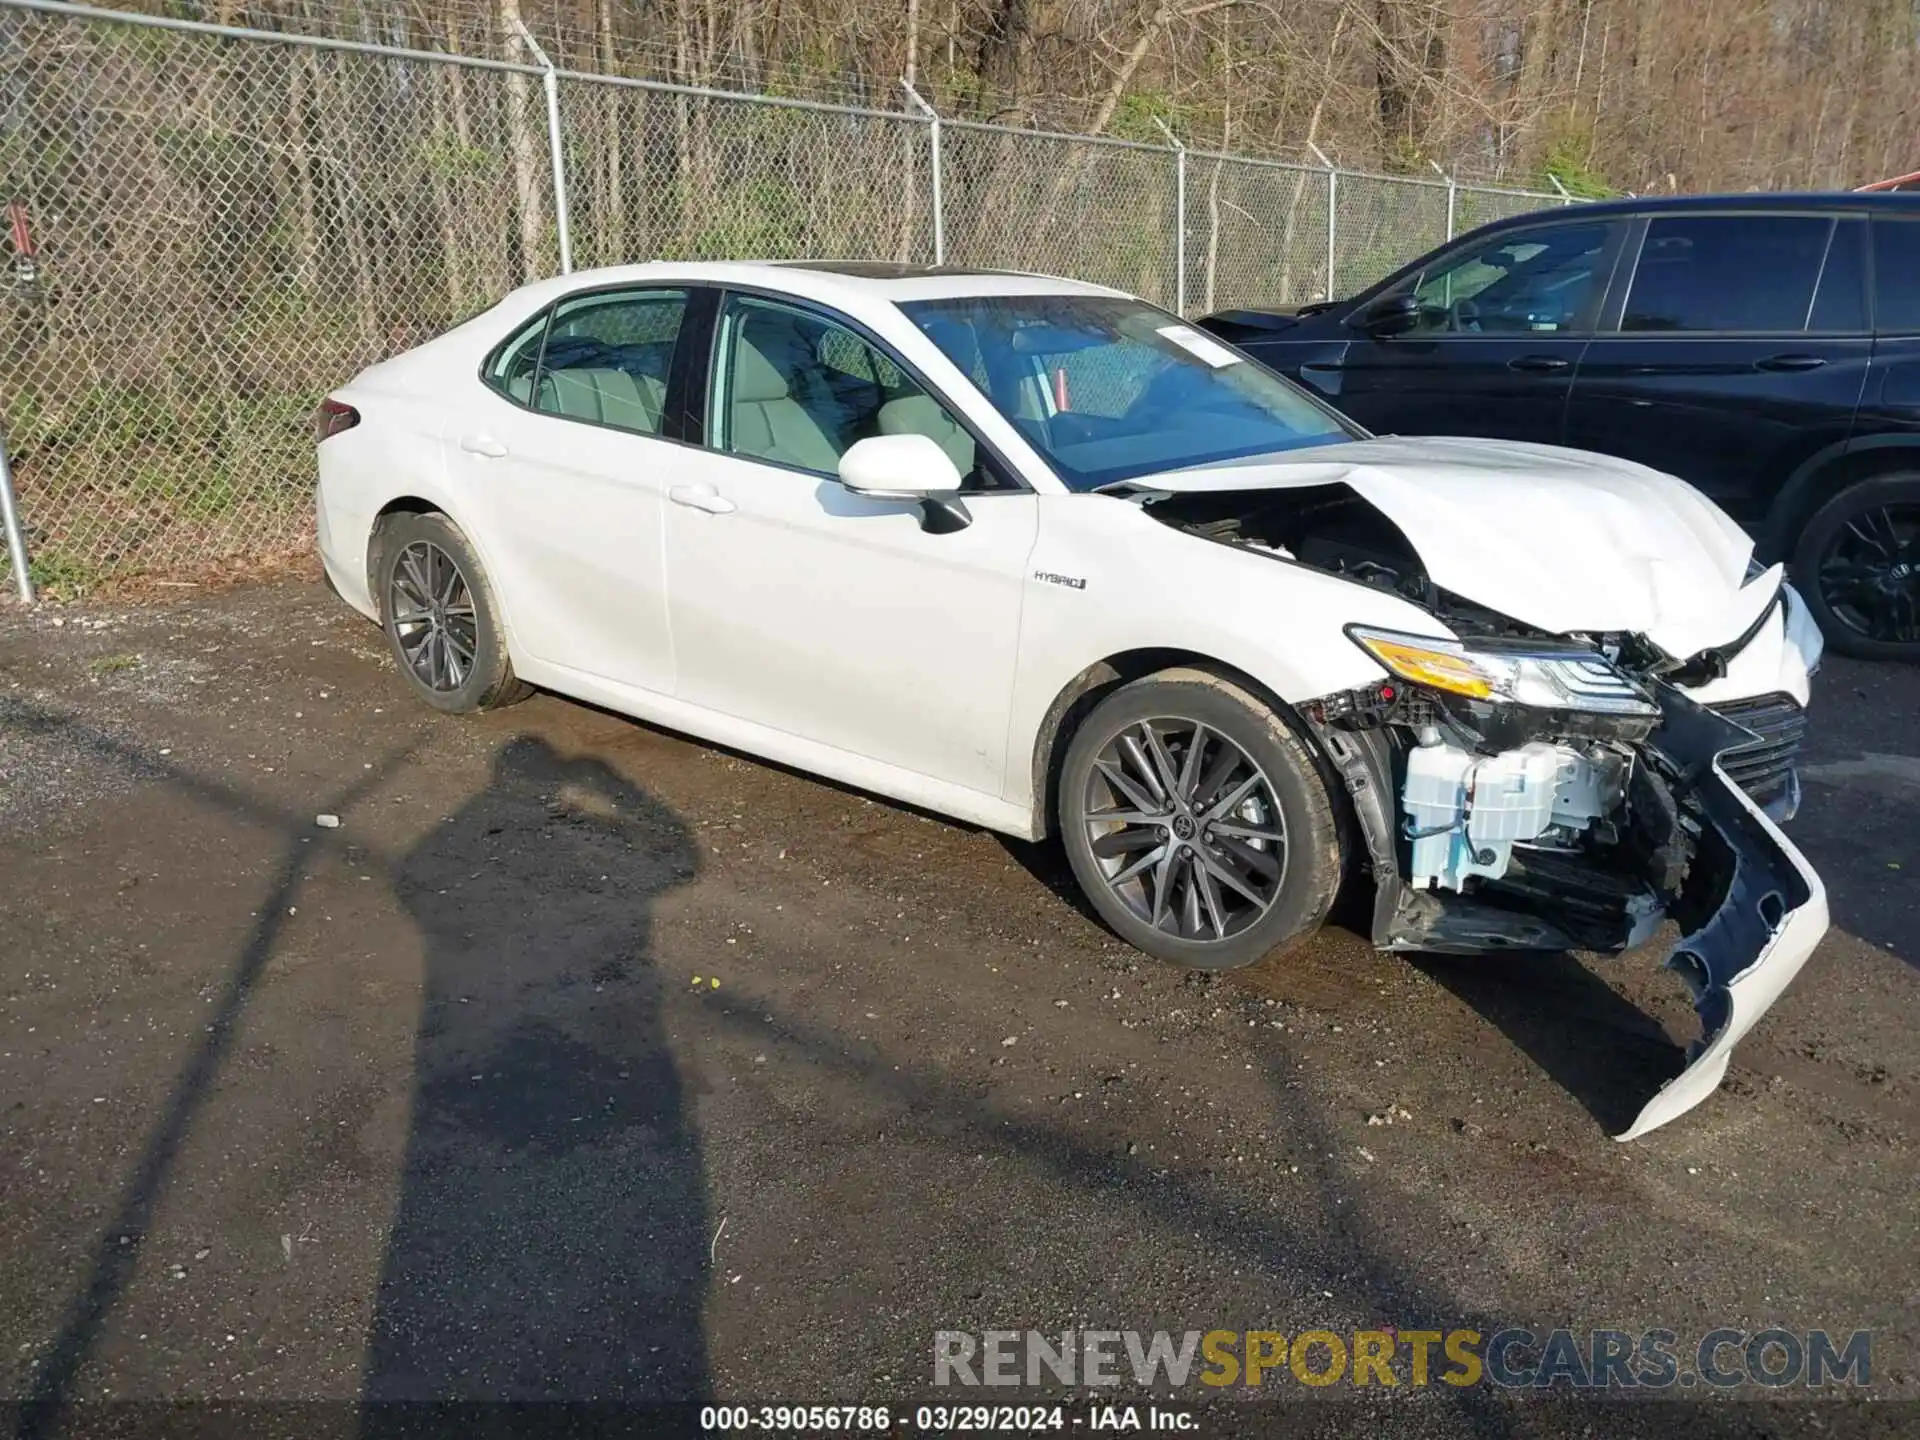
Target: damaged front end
pixel 1495 826
pixel 1522 787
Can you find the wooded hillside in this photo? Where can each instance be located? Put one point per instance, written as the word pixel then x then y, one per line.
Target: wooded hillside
pixel 1622 94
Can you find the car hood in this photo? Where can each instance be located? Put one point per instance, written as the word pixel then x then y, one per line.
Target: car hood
pixel 1563 540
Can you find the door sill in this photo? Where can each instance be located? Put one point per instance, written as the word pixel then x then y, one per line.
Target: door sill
pixel 894 782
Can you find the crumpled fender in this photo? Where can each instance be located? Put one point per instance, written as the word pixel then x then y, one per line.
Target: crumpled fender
pixel 1765 909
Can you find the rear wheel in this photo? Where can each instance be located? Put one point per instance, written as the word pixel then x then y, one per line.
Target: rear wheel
pixel 1858 566
pixel 441 618
pixel 1196 822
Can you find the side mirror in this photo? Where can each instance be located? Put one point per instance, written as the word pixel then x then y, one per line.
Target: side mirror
pixel 1390 315
pixel 908 467
pixel 899 467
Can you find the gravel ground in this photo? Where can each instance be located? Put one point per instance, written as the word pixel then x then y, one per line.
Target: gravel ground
pixel 581 1060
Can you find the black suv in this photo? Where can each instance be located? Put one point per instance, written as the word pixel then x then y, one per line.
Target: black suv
pixel 1765 348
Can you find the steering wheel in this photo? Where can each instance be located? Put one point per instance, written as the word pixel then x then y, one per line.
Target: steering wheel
pixel 1463 316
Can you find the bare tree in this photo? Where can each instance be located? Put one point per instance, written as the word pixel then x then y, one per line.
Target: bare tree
pixel 523 142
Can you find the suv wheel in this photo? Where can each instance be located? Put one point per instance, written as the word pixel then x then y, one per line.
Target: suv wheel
pixel 1858 566
pixel 441 619
pixel 1197 823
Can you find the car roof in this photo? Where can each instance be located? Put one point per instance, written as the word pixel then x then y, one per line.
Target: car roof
pixel 832 281
pixel 1897 202
pixel 1634 207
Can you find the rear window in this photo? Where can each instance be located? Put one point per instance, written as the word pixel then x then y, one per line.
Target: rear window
pixel 1727 273
pixel 1841 305
pixel 1896 276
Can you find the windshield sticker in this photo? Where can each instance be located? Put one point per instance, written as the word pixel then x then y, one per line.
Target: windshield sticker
pixel 1199 346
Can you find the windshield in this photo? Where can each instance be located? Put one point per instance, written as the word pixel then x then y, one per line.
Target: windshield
pixel 1108 388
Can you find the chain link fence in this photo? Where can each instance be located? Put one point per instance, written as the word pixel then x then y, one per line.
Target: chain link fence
pixel 222 225
pixel 1380 222
pixel 658 173
pixel 1098 210
pixel 1256 233
pixel 1482 205
pixel 215 245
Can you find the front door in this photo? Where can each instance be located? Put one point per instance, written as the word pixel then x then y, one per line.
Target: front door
pixel 1500 331
pixel 801 606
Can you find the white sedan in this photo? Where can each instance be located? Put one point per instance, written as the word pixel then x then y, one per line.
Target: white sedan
pixel 1042 557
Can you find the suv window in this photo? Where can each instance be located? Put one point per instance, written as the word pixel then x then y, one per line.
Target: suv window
pixel 1896 276
pixel 607 356
pixel 1727 273
pixel 794 388
pixel 1543 279
pixel 1840 306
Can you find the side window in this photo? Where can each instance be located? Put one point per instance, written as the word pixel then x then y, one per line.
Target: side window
pixel 607 356
pixel 797 389
pixel 1721 273
pixel 1896 276
pixel 1840 302
pixel 513 365
pixel 1538 280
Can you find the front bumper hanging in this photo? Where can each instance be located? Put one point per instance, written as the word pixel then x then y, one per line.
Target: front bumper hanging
pixel 1753 907
pixel 1750 906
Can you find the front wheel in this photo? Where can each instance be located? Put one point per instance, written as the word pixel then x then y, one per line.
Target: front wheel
pixel 1196 822
pixel 1858 567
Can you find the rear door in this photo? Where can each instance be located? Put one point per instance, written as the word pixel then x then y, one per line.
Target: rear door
pixel 1891 406
pixel 566 460
pixel 1502 325
pixel 1737 348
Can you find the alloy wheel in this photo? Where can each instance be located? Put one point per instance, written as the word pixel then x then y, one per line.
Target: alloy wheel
pixel 1186 829
pixel 1870 575
pixel 433 616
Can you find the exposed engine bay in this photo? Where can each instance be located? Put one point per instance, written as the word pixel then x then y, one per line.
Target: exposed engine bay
pixel 1521 790
pixel 1334 529
pixel 1326 527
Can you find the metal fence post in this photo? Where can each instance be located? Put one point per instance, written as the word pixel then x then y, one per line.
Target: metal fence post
pixel 1333 200
pixel 16 538
pixel 939 194
pixel 550 82
pixel 1179 217
pixel 1453 195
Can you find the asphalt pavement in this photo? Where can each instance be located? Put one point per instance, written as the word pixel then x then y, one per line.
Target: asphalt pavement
pixel 583 1061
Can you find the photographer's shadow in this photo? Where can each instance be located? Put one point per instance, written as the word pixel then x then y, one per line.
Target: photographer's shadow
pixel 549 1239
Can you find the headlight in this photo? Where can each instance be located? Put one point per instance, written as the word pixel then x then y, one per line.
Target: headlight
pixel 1545 679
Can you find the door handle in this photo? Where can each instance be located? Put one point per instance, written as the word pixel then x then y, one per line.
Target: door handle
pixel 701 497
pixel 1792 362
pixel 483 445
pixel 1539 364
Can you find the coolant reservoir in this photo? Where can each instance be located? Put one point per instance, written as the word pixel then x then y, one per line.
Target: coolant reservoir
pixel 1464 812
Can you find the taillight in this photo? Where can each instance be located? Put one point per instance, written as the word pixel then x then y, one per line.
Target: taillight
pixel 332 417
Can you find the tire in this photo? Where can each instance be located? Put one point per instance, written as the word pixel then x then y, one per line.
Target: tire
pixel 1857 565
pixel 455 658
pixel 1165 908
